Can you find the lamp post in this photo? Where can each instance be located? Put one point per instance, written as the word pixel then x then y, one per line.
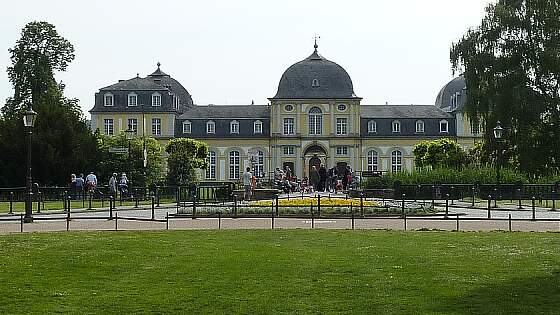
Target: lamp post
pixel 498 134
pixel 29 122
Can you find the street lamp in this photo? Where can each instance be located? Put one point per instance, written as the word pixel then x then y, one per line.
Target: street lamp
pixel 498 134
pixel 29 122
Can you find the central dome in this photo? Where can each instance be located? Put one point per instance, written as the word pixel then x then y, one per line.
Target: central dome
pixel 315 77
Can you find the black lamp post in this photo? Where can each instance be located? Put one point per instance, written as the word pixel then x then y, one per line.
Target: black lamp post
pixel 29 122
pixel 498 134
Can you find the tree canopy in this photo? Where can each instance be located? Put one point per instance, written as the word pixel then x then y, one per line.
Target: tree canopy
pixel 186 157
pixel 439 153
pixel 62 142
pixel 511 64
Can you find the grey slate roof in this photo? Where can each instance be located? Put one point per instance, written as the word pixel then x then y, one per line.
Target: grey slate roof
pixel 174 85
pixel 226 111
pixel 296 82
pixel 403 111
pixel 135 84
pixel 456 86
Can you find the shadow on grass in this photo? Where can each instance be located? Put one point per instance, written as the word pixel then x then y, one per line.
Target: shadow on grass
pixel 538 295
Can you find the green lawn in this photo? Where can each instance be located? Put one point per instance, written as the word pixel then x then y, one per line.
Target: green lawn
pixel 295 271
pixel 75 204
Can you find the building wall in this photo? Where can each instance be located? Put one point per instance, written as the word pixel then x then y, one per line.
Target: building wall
pixel 120 123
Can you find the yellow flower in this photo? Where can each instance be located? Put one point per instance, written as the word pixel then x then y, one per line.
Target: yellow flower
pixel 307 202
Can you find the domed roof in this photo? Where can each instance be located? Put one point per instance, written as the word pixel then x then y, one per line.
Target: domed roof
pixel 315 77
pixel 167 81
pixel 453 95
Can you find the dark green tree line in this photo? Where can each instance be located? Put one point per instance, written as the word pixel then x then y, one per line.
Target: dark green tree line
pixel 511 63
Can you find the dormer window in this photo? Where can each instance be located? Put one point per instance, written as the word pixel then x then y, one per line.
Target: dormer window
pixel 210 127
pixel 187 127
pixel 234 127
pixel 419 126
pixel 315 83
pixel 156 99
pixel 258 127
pixel 108 99
pixel 372 126
pixel 396 126
pixel 443 126
pixel 132 99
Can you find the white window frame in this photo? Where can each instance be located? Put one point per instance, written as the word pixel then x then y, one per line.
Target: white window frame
pixel 132 96
pixel 133 123
pixel 420 126
pixel 342 150
pixel 156 99
pixel 315 121
pixel 289 150
pixel 396 161
pixel 234 164
pixel 187 126
pixel 444 123
pixel 341 126
pixel 315 83
pixel 109 96
pixel 234 127
pixel 210 127
pixel 109 126
pixel 372 126
pixel 258 166
pixel 372 160
pixel 258 127
pixel 288 126
pixel 156 126
pixel 211 170
pixel 396 126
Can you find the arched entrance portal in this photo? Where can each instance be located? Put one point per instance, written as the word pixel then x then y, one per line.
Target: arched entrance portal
pixel 314 155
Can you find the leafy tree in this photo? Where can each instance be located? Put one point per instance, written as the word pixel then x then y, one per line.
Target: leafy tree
pixel 131 163
pixel 186 156
pixel 439 153
pixel 511 63
pixel 62 142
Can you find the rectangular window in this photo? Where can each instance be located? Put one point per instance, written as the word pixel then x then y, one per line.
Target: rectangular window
pixel 210 127
pixel 258 127
pixel 341 150
pixel 419 126
pixel 132 100
pixel 211 170
pixel 108 100
pixel 288 126
pixel 109 129
pixel 187 127
pixel 341 126
pixel 234 127
pixel 133 124
pixel 396 126
pixel 288 150
pixel 443 126
pixel 156 100
pixel 475 129
pixel 156 126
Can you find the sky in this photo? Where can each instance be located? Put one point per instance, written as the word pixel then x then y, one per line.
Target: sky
pixel 234 52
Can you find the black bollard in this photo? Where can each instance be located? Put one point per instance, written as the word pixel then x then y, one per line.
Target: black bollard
pixel 361 204
pixel 312 218
pixel 534 210
pixel 153 207
pixel 509 222
pixel 457 222
pixel 136 198
pixel 433 196
pixel 452 195
pixel 318 205
pixel 519 197
pixel 39 202
pixel 69 198
pixel 446 205
pixel 472 191
pixel 402 206
pixel 111 205
pixel 553 201
pixel 276 205
pixel 11 202
pixel 272 218
pixel 489 205
pixel 495 197
pixel 352 212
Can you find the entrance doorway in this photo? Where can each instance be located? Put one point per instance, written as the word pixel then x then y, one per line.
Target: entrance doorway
pixel 314 161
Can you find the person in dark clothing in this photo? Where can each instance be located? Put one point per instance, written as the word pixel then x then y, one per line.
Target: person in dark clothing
pixel 322 177
pixel 345 177
pixel 332 175
pixel 314 178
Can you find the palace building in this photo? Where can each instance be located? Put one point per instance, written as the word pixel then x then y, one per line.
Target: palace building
pixel 314 118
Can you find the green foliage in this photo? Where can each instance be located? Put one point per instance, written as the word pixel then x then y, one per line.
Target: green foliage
pixel 512 69
pixel 132 163
pixel 186 156
pixel 469 175
pixel 442 152
pixel 62 142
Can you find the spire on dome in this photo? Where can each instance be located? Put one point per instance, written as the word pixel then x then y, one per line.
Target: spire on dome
pixel 316 46
pixel 158 72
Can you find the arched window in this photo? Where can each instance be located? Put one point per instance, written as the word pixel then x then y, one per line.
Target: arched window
pixel 234 127
pixel 372 126
pixel 396 126
pixel 315 83
pixel 211 170
pixel 258 127
pixel 372 160
pixel 210 127
pixel 315 121
pixel 419 126
pixel 258 164
pixel 187 126
pixel 396 161
pixel 234 164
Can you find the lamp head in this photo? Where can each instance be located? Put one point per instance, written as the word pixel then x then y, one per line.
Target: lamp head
pixel 498 131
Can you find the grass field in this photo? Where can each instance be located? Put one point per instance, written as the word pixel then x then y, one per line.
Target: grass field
pixel 296 271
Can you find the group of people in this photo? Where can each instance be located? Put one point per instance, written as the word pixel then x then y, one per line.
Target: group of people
pixel 80 185
pixel 285 180
pixel 331 180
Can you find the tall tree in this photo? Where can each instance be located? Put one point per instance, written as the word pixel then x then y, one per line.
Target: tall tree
pixel 511 63
pixel 62 142
pixel 186 157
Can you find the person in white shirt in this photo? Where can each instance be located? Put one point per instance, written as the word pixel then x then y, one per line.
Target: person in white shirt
pixel 247 176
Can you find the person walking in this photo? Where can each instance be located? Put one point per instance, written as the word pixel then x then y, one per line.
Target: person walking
pixel 314 178
pixel 247 184
pixel 322 177
pixel 91 182
pixel 113 185
pixel 79 186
